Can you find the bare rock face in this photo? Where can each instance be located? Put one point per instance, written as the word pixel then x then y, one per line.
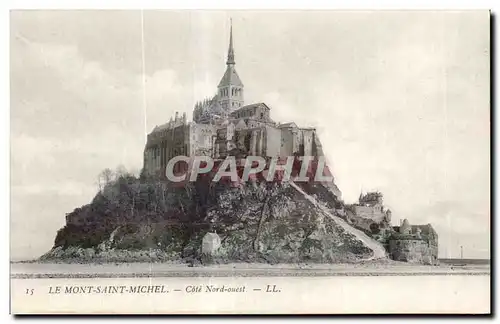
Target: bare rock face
pixel 264 222
pixel 278 225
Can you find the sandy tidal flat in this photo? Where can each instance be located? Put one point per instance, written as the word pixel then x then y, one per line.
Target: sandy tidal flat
pixel 110 270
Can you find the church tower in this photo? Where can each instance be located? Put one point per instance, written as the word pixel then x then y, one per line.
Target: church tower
pixel 230 89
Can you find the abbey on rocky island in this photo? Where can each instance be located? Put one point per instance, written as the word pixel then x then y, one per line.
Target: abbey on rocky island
pixel 223 125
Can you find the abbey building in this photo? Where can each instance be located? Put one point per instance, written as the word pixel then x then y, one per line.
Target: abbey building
pixel 225 125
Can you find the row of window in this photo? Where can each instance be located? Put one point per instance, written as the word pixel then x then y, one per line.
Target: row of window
pixel 157 151
pixel 234 92
pixel 246 113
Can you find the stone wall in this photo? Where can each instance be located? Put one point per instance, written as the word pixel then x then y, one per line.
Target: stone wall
pixel 412 250
pixel 286 147
pixel 201 139
pixel 374 213
pixel 165 143
pixel 307 141
pixel 317 148
pixel 273 141
pixel 254 111
pixel 298 140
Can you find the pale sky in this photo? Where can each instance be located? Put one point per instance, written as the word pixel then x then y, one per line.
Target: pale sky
pixel 400 99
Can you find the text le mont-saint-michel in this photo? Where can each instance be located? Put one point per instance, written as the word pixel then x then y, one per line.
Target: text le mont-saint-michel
pixel 158 289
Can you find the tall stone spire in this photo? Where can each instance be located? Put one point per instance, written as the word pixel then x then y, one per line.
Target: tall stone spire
pixel 230 89
pixel 230 52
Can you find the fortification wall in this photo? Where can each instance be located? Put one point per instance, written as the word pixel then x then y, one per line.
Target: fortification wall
pixel 370 212
pixel 201 139
pixel 307 141
pixel 286 148
pixel 273 141
pixel 317 148
pixel 412 250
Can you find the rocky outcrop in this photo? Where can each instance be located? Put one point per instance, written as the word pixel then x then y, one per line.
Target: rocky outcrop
pixel 377 248
pixel 279 224
pixel 143 220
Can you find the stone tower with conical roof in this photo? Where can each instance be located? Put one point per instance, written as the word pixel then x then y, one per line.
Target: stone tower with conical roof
pixel 230 89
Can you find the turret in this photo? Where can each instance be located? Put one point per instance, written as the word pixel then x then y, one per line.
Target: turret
pixel 405 228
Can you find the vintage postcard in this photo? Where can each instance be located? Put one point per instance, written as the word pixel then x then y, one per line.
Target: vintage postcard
pixel 250 162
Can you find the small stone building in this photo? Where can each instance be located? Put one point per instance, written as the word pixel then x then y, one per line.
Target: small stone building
pixel 370 215
pixel 414 243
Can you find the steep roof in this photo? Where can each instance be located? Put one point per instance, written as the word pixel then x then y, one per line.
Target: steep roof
pixel 287 125
pixel 251 106
pixel 230 77
pixel 426 229
pixel 160 127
